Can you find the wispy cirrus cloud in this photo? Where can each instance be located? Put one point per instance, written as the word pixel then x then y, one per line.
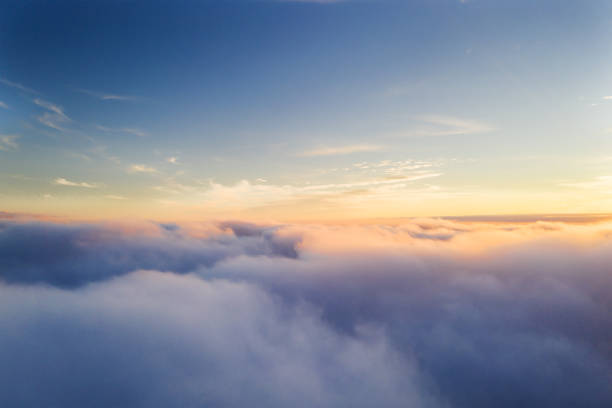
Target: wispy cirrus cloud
pixel 135 132
pixel 50 106
pixel 55 117
pixel 341 150
pixel 8 142
pixel 245 195
pixel 600 183
pixel 3 105
pixel 60 181
pixel 141 168
pixel 438 125
pixel 17 86
pixel 130 130
pixel 105 96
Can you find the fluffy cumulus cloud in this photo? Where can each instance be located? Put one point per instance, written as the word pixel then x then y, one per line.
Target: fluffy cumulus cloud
pixel 420 313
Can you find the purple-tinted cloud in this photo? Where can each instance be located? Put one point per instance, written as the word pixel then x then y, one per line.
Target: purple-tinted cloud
pixel 73 255
pixel 249 317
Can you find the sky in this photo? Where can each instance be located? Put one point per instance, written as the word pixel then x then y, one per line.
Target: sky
pixel 304 110
pixel 313 203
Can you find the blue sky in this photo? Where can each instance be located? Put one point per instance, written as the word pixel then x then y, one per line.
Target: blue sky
pixel 133 104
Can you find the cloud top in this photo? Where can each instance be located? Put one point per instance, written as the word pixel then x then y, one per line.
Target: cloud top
pixel 423 313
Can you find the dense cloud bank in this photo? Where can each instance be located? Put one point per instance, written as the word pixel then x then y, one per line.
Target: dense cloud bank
pixel 73 255
pixel 429 313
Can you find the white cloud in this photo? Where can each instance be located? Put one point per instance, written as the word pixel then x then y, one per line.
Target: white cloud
pixel 172 160
pixel 108 96
pixel 50 106
pixel 608 98
pixel 51 121
pixel 7 142
pixel 60 181
pixel 17 86
pixel 601 183
pixel 130 130
pixel 341 150
pixel 350 187
pixel 134 131
pixel 244 194
pixel 437 125
pixel 54 118
pixel 3 105
pixel 142 168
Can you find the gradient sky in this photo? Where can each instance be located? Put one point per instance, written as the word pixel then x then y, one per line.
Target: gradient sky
pixel 305 109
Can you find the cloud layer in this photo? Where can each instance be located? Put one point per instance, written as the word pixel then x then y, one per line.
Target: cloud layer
pixel 420 313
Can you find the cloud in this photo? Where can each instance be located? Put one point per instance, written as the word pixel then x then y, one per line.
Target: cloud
pixel 341 150
pixel 50 106
pixel 245 195
pixel 74 255
pixel 115 197
pixel 129 130
pixel 172 160
pixel 108 96
pixel 134 131
pixel 436 125
pixel 3 105
pixel 424 312
pixel 55 118
pixel 64 182
pixel 142 168
pixel 8 142
pixel 17 86
pixel 601 183
pixel 362 185
pixel 607 97
pixel 170 341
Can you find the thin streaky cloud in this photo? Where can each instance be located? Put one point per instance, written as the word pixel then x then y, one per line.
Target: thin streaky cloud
pixel 17 86
pixel 60 181
pixel 54 118
pixel 142 168
pixel 51 120
pixel 108 96
pixel 8 142
pixel 608 97
pixel 341 186
pixel 134 131
pixel 3 105
pixel 341 150
pixel 130 130
pixel 601 183
pixel 50 106
pixel 115 197
pixel 437 125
